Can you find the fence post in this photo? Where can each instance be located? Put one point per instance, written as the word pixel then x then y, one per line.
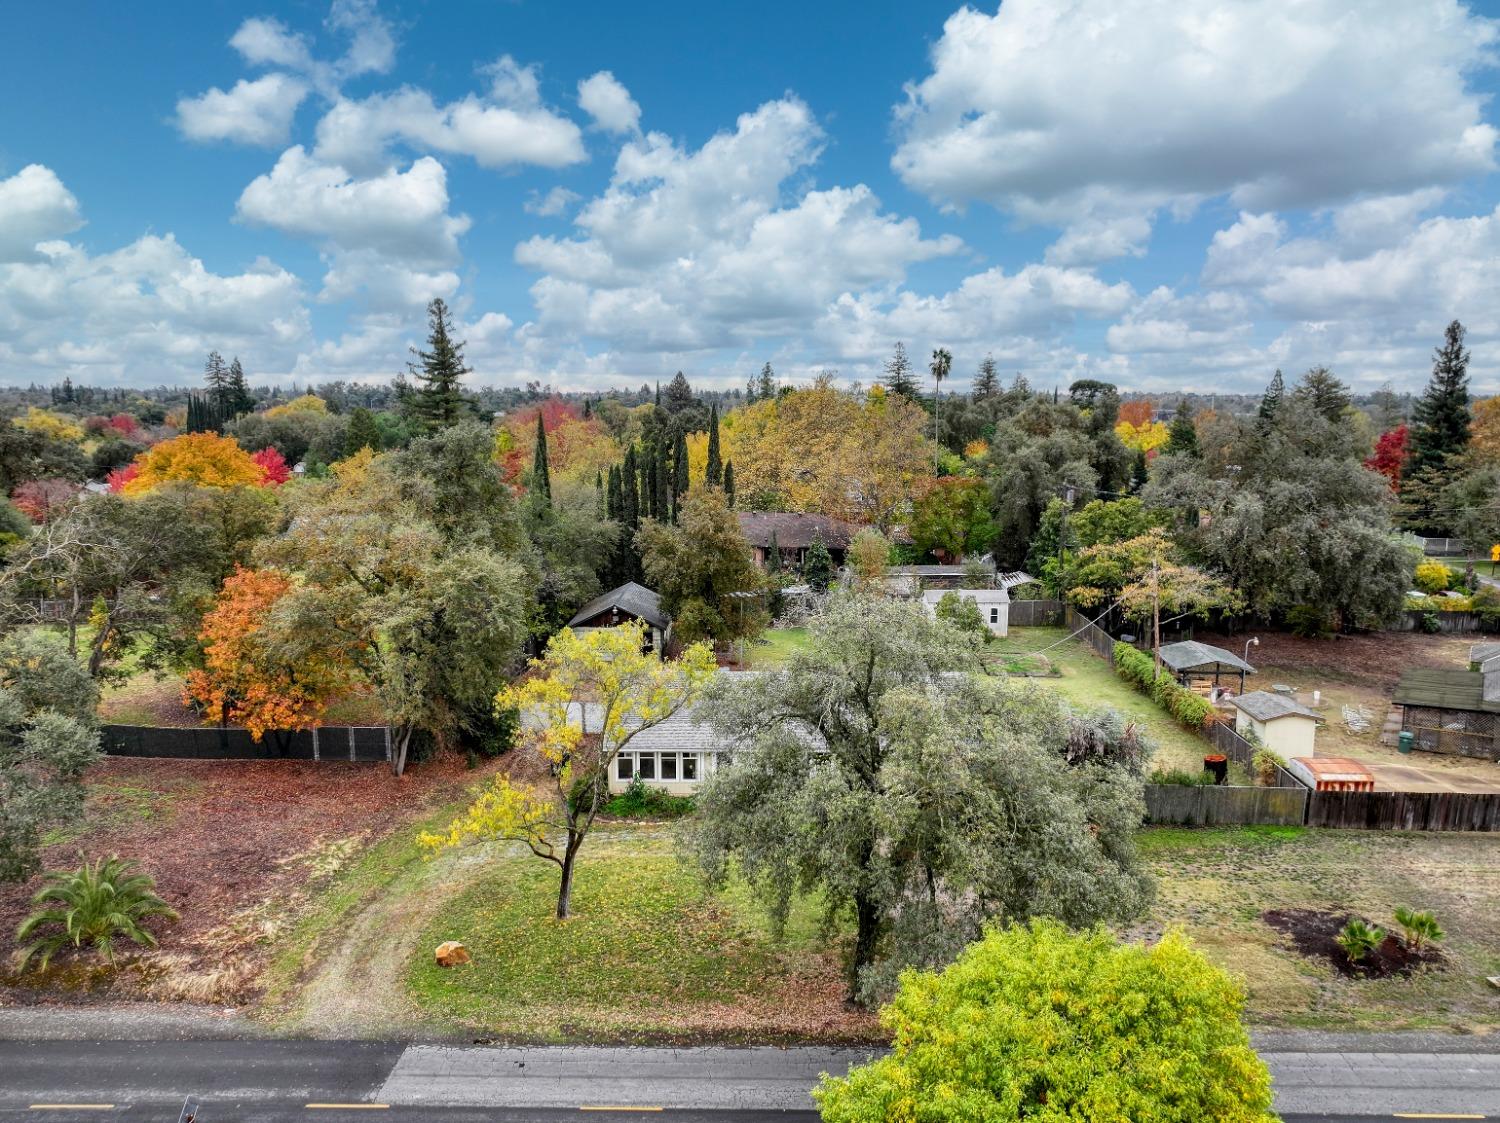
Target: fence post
pixel 315 743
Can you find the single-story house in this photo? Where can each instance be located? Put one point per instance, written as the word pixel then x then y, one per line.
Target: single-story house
pixel 794 535
pixel 1454 711
pixel 1281 724
pixel 1202 666
pixel 622 605
pixel 994 605
pixel 676 756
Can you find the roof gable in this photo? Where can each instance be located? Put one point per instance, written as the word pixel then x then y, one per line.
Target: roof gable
pixel 631 599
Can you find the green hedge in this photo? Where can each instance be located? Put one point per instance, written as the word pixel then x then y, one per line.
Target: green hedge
pixel 1139 668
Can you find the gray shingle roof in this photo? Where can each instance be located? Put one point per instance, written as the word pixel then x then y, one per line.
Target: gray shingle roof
pixel 1189 655
pixel 794 531
pixel 637 600
pixel 1262 705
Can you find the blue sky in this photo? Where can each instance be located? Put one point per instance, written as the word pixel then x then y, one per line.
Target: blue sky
pixel 1164 195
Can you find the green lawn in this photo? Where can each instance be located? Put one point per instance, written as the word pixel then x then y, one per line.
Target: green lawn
pixel 648 952
pixel 1217 882
pixel 1089 682
pixel 776 646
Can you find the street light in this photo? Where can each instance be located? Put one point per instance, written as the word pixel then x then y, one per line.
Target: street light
pixel 1253 641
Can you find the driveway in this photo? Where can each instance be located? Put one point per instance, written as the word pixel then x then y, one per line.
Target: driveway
pixel 1413 778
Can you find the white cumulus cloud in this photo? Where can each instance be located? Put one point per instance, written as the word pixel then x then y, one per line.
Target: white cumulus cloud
pixel 34 207
pixel 604 98
pixel 252 112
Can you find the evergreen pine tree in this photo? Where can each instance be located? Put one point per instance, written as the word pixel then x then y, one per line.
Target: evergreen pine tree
pixel 588 409
pixel 541 475
pixel 773 554
pixel 899 378
pixel 767 387
pixel 216 378
pixel 1440 422
pixel 1270 404
pixel 1139 474
pixel 713 474
pixel 237 397
pixel 750 391
pixel 987 381
pixel 438 400
pixel 363 432
pixel 729 482
pixel 67 389
pixel 818 569
pixel 1324 392
pixel 679 394
pixel 601 508
pixel 1182 437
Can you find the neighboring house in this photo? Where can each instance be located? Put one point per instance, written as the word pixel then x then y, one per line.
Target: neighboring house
pixel 622 605
pixel 994 605
pixel 914 580
pixel 676 756
pixel 1455 711
pixel 794 535
pixel 1202 666
pixel 1281 725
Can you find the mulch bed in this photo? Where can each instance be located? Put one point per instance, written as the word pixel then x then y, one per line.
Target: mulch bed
pixel 1313 932
pixel 231 831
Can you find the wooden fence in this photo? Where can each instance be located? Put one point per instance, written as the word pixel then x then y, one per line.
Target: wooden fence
pixel 1207 806
pixel 1411 621
pixel 1404 811
pixel 333 743
pixel 1036 613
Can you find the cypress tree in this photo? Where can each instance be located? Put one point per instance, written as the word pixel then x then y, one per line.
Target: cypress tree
pixel 1182 437
pixel 680 482
pixel 661 500
pixel 729 482
pixel 363 432
pixel 438 400
pixel 773 554
pixel 1440 422
pixel 713 475
pixel 614 497
pixel 818 568
pixel 630 498
pixel 601 508
pixel 1139 475
pixel 541 476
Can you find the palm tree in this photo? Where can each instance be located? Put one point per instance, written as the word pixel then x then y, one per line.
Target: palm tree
pixel 942 363
pixel 94 905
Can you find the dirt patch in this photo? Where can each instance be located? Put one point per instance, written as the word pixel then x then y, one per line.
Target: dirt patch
pixel 1376 660
pixel 1314 933
pixel 234 846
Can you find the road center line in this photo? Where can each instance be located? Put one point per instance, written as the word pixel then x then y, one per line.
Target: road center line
pixel 347 1107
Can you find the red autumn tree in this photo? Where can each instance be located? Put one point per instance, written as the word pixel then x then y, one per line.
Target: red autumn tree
pixel 39 500
pixel 1390 455
pixel 274 465
pixel 1136 413
pixel 246 681
pixel 120 477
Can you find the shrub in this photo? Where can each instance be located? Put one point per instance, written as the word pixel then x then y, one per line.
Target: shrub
pixel 1309 621
pixel 1430 624
pixel 963 613
pixel 641 801
pixel 1037 1022
pixel 1418 929
pixel 1485 604
pixel 1139 668
pixel 1433 576
pixel 93 906
pixel 1265 763
pixel 1359 939
pixel 1181 776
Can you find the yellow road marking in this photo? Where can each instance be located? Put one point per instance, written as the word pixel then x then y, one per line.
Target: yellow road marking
pixel 347 1107
pixel 72 1107
pixel 616 1107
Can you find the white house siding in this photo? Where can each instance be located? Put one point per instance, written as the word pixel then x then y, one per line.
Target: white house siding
pixel 994 606
pixel 1288 736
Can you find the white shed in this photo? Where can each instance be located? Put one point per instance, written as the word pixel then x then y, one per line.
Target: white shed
pixel 1282 725
pixel 994 605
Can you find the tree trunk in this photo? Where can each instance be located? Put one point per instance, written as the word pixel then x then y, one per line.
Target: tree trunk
pixel 565 883
pixel 866 933
pixel 398 756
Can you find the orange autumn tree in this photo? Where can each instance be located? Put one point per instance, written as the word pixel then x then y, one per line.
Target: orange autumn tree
pixel 243 681
pixel 205 459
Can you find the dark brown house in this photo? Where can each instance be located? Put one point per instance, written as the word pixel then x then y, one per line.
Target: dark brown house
pixel 622 605
pixel 794 535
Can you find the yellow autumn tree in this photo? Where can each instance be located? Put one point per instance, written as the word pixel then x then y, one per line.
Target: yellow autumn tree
pixel 53 426
pixel 830 452
pixel 1484 431
pixel 602 672
pixel 307 403
pixel 1142 437
pixel 205 459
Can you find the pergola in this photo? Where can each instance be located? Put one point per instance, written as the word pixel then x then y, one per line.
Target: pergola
pixel 1192 661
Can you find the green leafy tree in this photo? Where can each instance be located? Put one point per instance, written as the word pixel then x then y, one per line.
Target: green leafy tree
pixel 865 772
pixel 438 400
pixel 1440 422
pixel 1359 940
pixel 1182 434
pixel 49 736
pixel 962 613
pixel 698 566
pixel 952 518
pixel 363 432
pixel 1038 1023
pixel 96 906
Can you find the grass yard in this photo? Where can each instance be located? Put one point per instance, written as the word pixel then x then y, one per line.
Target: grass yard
pixel 1216 883
pixel 1090 683
pixel 775 647
pixel 649 954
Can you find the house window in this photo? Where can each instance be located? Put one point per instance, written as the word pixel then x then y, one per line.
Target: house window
pixel 625 766
pixel 669 766
pixel 646 770
pixel 689 766
pixel 994 614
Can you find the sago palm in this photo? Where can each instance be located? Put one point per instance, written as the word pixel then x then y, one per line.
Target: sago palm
pixel 94 906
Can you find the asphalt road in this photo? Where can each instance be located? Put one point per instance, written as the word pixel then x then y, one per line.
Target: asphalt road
pixel 274 1081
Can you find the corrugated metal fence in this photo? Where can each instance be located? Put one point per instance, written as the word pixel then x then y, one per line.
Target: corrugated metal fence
pixel 346 743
